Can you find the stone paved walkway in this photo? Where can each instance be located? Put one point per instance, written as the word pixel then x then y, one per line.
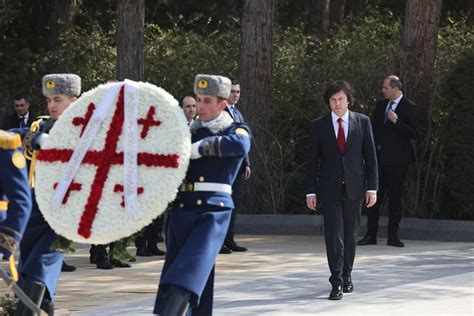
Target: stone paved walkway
pixel 287 275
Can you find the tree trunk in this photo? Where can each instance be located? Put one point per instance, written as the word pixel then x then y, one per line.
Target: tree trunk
pixel 416 68
pixel 323 18
pixel 356 6
pixel 337 11
pixel 418 54
pixel 256 49
pixel 62 18
pixel 316 17
pixel 130 39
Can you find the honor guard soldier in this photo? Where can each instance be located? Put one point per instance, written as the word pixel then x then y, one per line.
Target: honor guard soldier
pixel 15 195
pixel 201 213
pixel 39 263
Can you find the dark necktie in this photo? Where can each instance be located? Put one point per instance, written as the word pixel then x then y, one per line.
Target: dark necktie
pixel 341 139
pixel 390 104
pixel 22 122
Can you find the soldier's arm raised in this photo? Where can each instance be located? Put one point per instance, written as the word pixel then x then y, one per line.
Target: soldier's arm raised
pixel 236 143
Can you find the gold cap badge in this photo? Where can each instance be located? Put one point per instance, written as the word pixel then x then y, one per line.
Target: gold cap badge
pixel 202 84
pixel 50 84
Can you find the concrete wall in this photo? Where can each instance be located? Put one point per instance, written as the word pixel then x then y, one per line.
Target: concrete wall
pixel 410 228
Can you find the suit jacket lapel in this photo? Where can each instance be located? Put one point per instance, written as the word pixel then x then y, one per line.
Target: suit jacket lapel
pixel 229 110
pixel 400 105
pixel 352 130
pixel 330 129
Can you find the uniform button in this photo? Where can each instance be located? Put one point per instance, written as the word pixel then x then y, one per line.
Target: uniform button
pixel 201 179
pixel 222 204
pixel 181 205
pixel 198 202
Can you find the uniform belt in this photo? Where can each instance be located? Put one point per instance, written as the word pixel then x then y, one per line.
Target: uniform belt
pixel 205 187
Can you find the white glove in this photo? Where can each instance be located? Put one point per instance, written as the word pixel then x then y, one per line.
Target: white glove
pixel 41 139
pixel 195 150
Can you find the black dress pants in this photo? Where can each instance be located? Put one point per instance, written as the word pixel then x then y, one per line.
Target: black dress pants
pixel 391 179
pixel 341 227
pixel 229 238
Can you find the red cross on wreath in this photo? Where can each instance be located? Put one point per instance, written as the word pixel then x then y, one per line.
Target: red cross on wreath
pixel 107 157
pixel 84 120
pixel 148 122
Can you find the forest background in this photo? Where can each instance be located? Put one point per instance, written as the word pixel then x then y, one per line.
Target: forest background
pixel 284 53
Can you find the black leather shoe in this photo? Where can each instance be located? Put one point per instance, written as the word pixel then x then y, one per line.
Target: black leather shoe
pixel 367 240
pixel 395 243
pixel 143 252
pixel 160 238
pixel 67 268
pixel 336 293
pixel 104 264
pixel 348 286
pixel 225 250
pixel 236 248
pixel 156 251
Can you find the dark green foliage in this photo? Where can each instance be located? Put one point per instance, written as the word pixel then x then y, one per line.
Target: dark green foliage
pixel 173 57
pixel 8 303
pixel 362 51
pixel 458 138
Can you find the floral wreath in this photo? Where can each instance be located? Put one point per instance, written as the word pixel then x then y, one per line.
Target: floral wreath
pixel 112 162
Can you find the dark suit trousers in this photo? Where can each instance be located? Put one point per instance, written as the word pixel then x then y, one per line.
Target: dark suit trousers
pixel 391 179
pixel 99 252
pixel 341 227
pixel 229 238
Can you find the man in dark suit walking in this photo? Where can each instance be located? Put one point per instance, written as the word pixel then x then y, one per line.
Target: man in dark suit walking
pixel 342 172
pixel 230 244
pixel 395 129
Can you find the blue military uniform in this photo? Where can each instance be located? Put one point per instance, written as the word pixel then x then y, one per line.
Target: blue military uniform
pixel 15 196
pixel 40 263
pixel 200 216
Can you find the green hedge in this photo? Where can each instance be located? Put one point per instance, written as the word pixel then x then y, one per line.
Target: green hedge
pixel 363 52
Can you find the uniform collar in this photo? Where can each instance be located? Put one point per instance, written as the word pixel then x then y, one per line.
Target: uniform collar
pixel 223 121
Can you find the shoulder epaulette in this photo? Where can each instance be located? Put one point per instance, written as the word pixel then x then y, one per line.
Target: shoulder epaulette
pixel 9 141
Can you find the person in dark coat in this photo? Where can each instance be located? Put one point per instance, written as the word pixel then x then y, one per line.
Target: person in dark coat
pixel 395 130
pixel 245 172
pixel 341 174
pixel 22 117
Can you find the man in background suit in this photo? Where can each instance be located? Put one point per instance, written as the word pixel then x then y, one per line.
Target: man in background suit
pixel 22 116
pixel 230 244
pixel 395 128
pixel 342 170
pixel 3 118
pixel 188 104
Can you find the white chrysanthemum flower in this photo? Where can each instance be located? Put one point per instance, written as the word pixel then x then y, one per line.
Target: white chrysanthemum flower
pixel 166 146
